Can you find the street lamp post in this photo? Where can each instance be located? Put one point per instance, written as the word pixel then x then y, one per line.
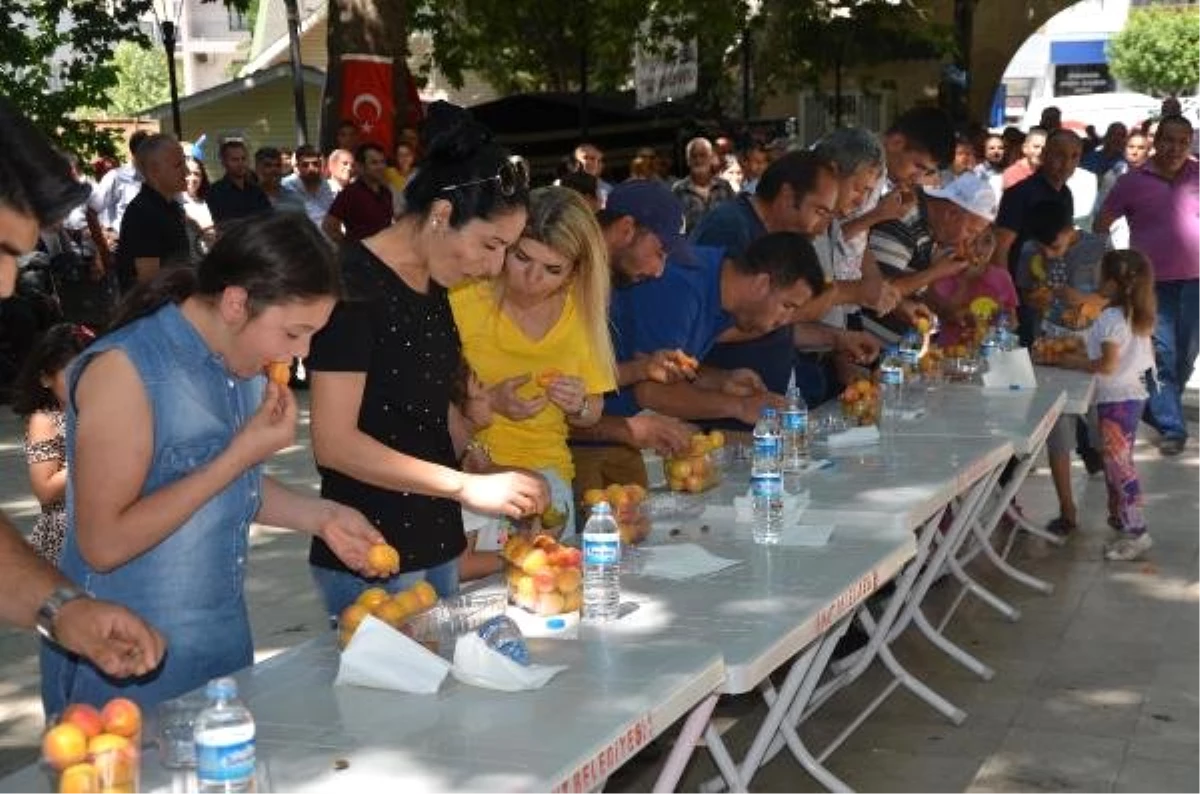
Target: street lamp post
pixel 168 38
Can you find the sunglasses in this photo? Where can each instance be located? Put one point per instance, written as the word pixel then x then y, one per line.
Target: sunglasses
pixel 512 176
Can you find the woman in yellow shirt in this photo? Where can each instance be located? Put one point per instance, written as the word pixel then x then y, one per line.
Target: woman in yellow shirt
pixel 537 336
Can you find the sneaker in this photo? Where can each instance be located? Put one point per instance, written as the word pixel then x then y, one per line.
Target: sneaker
pixel 1129 547
pixel 1171 446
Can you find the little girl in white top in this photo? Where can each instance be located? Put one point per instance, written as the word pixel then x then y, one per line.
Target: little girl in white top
pixel 1120 352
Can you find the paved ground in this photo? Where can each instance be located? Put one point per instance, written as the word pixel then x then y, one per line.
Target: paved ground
pixel 1095 689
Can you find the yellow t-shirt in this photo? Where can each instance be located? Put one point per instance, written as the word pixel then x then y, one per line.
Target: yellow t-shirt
pixel 496 348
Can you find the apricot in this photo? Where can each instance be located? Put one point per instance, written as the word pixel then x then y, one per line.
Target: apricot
pixel 122 717
pixel 550 604
pixel 545 581
pixel 573 600
pixel 694 484
pixel 548 376
pixel 675 484
pixel 526 589
pixel 391 612
pixel 716 439
pixel 426 595
pixel 616 496
pixel 679 469
pixel 279 372
pixel 635 492
pixel 407 601
pixel 372 597
pixel 64 745
pixel 593 496
pixel 86 716
pixel 383 560
pixel 105 743
pixel 79 779
pixel 535 561
pixel 117 768
pixel 568 580
pixel 352 616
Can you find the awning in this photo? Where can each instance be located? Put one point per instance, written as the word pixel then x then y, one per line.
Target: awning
pixel 1070 53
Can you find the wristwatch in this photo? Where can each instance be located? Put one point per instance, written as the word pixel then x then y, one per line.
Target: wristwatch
pixel 48 612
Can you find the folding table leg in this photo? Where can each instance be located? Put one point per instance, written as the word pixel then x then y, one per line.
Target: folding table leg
pixel 685 744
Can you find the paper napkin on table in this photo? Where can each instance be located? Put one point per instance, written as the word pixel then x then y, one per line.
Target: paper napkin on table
pixel 805 534
pixel 679 561
pixel 855 436
pixel 477 664
pixel 380 657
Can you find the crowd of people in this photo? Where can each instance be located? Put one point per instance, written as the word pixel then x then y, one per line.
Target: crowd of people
pixel 478 350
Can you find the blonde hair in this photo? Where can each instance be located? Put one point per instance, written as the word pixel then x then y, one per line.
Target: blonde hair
pixel 1133 277
pixel 561 219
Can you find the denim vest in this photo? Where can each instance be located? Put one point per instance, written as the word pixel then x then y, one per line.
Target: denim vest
pixel 190 585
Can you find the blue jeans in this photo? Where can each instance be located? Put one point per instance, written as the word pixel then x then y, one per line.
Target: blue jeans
pixel 1175 348
pixel 339 589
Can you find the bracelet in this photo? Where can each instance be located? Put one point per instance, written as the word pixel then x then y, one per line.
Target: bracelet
pixel 48 612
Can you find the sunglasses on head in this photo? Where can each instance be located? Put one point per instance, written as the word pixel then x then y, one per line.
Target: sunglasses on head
pixel 513 175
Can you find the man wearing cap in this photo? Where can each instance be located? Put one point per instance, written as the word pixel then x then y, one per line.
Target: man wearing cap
pixel 642 226
pixel 930 244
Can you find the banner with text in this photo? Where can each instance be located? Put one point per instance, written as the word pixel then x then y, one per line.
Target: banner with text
pixel 665 74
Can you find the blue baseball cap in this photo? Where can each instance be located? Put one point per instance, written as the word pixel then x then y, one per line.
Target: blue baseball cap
pixel 652 205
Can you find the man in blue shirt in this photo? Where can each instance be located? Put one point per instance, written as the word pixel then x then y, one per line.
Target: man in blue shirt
pixel 797 193
pixel 692 305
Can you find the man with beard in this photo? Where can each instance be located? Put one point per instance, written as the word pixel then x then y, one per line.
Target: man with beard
pixel 310 184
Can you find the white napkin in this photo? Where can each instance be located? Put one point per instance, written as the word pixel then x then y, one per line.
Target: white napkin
pixel 805 534
pixel 1010 369
pixel 866 434
pixel 478 665
pixel 679 561
pixel 380 657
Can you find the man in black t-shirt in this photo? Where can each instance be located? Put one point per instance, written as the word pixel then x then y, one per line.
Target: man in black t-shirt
pixel 235 195
pixel 153 234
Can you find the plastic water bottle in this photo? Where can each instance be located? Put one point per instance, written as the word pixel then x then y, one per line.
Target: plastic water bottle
pixel 601 565
pixel 766 494
pixel 1006 337
pixel 224 741
pixel 766 452
pixel 891 389
pixel 910 357
pixel 795 431
pixel 990 343
pixel 910 352
pixel 502 635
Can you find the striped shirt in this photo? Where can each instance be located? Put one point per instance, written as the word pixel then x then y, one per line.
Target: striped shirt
pixel 904 245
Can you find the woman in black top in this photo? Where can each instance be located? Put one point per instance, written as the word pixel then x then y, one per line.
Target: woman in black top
pixel 384 369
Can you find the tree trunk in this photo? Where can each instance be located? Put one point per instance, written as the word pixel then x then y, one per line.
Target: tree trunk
pixel 372 27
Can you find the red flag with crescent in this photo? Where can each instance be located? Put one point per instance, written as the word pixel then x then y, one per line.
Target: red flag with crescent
pixel 367 97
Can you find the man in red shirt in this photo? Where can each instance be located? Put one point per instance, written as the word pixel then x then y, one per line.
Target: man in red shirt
pixel 365 206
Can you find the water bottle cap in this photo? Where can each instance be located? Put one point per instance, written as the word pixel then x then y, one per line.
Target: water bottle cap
pixel 601 508
pixel 221 688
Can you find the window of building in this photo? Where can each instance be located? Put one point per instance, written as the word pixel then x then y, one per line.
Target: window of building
pixel 237 20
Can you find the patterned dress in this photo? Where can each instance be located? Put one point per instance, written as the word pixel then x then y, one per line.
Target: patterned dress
pixel 47 535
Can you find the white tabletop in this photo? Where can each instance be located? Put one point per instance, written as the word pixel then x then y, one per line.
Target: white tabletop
pixel 956 411
pixel 569 735
pixel 1078 386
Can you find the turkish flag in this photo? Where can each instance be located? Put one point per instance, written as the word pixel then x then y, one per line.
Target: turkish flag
pixel 367 97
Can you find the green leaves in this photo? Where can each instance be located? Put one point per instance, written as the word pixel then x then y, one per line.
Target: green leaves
pixel 56 58
pixel 1158 52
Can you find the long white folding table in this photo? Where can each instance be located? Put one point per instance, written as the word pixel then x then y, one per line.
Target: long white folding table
pixel 568 736
pixel 794 603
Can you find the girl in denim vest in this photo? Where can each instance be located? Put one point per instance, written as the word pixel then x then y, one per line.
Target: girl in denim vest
pixel 169 421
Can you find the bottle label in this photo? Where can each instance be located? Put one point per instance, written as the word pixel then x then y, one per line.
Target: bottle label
pixel 225 755
pixel 601 550
pixel 795 421
pixel 769 487
pixel 987 348
pixel 911 357
pixel 766 446
pixel 891 376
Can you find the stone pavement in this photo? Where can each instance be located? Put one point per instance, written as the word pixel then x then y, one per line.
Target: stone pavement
pixel 1095 687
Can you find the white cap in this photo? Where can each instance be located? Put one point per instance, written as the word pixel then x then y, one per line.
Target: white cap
pixel 971 192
